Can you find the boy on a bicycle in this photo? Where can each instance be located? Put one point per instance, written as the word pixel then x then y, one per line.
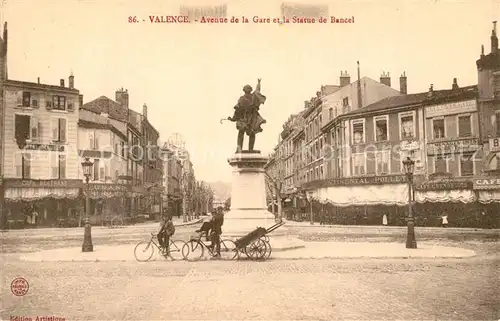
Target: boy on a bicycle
pixel 167 229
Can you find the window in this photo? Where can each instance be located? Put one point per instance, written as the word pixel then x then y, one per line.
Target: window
pixel 467 165
pixel 59 102
pixel 358 164
pixel 23 165
pixel 26 127
pixel 58 165
pixel 464 126
pixel 26 99
pixel 358 131
pixel 438 128
pixel 407 125
pixel 94 140
pixel 96 170
pixel 440 164
pixel 381 128
pixel 345 102
pixel 58 129
pixel 382 162
pixel 330 113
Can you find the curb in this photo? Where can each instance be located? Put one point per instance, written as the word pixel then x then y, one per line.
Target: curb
pixel 190 223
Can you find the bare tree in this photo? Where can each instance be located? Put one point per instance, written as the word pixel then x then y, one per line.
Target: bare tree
pixel 274 182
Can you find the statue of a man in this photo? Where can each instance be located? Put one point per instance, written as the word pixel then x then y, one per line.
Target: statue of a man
pixel 247 117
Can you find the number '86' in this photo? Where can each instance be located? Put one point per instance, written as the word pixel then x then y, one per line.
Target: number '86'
pixel 132 19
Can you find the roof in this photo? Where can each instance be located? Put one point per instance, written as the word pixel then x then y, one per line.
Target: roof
pixel 438 96
pixel 35 85
pixel 97 125
pixel 489 61
pixel 108 106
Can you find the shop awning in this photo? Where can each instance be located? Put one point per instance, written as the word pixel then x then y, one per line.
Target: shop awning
pixel 390 194
pixel 489 196
pixel 462 195
pixel 32 194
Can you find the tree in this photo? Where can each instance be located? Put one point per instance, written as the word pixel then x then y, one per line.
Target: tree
pixel 274 182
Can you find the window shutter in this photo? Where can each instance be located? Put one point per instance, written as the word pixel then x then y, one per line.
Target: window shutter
pixel 106 170
pixel 19 99
pixel 96 169
pixel 91 140
pixel 18 164
pixel 55 129
pixel 62 166
pixel 102 173
pixel 35 101
pixel 48 102
pixel 34 126
pixel 96 143
pixel 62 129
pixel 27 165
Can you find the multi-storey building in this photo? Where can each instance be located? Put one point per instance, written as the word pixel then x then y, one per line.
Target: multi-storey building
pixel 119 110
pixel 172 175
pixel 3 77
pixel 103 141
pixel 152 165
pixel 40 164
pixel 488 70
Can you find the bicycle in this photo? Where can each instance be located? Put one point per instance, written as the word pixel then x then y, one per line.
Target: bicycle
pixel 228 249
pixel 174 250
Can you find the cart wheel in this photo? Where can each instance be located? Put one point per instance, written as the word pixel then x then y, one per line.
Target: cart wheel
pixel 228 250
pixel 268 250
pixel 265 238
pixel 193 250
pixel 256 250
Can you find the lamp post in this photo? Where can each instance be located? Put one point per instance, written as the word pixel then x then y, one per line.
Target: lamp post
pixel 87 237
pixel 411 242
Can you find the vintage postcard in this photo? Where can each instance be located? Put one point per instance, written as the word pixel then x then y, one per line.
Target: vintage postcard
pixel 238 160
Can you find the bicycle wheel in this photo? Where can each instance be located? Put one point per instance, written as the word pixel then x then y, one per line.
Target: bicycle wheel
pixel 175 250
pixel 143 251
pixel 193 250
pixel 228 250
pixel 116 221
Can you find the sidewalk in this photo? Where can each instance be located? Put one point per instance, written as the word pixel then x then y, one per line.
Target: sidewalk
pixel 312 250
pixel 379 228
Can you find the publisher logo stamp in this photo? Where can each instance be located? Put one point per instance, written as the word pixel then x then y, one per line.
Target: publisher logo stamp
pixel 19 286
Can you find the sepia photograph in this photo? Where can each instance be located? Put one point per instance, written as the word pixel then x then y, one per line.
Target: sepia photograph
pixel 275 160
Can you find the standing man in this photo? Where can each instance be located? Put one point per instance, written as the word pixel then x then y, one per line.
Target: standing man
pixel 217 230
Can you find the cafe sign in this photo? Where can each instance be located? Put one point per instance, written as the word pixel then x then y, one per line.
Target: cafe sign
pixel 485 183
pixel 49 183
pixel 108 187
pixel 470 145
pixel 44 147
pixel 354 181
pixel 443 186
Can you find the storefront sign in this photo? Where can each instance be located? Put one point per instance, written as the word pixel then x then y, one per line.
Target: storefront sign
pixel 49 183
pixel 109 187
pixel 409 145
pixel 470 145
pixel 451 108
pixel 353 181
pixel 494 144
pixel 487 183
pixel 44 147
pixel 444 186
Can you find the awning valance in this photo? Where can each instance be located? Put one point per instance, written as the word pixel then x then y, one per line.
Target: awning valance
pixel 390 194
pixel 32 194
pixel 490 196
pixel 461 195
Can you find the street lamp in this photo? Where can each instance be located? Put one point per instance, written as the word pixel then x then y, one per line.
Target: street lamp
pixel 87 237
pixel 409 166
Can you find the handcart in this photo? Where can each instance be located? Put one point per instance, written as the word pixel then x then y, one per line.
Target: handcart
pixel 255 245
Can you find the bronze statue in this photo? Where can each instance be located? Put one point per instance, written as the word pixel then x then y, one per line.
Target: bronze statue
pixel 247 117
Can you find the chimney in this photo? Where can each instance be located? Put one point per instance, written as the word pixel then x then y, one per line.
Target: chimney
pixel 455 84
pixel 80 98
pixel 385 79
pixel 38 80
pixel 121 97
pixel 345 79
pixel 403 84
pixel 62 82
pixel 360 98
pixel 145 111
pixel 431 91
pixel 494 38
pixel 71 82
pixel 5 35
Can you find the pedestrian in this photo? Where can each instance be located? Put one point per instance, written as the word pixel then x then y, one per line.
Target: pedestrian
pixel 444 220
pixel 217 231
pixel 384 220
pixel 34 217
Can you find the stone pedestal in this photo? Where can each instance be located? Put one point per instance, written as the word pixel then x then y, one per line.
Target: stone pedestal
pixel 248 202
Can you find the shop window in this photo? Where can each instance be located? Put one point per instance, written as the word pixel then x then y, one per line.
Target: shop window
pixel 381 128
pixel 441 164
pixel 438 128
pixel 464 126
pixel 358 131
pixel 382 162
pixel 467 165
pixel 358 166
pixel 407 125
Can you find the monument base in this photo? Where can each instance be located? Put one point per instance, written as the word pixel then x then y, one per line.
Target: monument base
pixel 248 203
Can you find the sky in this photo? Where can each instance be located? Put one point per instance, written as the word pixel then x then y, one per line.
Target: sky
pixel 191 75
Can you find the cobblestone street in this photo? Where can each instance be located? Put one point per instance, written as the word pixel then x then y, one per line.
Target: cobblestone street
pixel 279 289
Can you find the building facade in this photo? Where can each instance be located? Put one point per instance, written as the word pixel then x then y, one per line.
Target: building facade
pixel 172 175
pixel 104 141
